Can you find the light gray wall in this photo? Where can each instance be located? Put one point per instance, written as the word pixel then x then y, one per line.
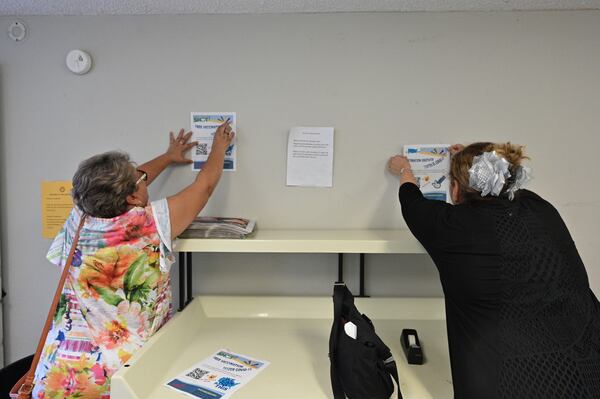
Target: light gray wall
pixel 381 79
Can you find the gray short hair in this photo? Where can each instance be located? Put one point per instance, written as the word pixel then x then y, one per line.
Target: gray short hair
pixel 102 183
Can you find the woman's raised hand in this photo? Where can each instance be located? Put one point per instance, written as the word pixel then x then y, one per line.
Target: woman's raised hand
pixel 179 145
pixel 223 136
pixel 398 164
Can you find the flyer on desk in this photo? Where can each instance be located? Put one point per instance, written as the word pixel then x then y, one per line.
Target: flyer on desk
pixel 218 376
pixel 430 164
pixel 204 125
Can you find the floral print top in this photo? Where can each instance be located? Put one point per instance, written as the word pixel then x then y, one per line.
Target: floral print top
pixel 117 295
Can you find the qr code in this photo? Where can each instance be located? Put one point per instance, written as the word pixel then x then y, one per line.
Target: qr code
pixel 197 374
pixel 202 149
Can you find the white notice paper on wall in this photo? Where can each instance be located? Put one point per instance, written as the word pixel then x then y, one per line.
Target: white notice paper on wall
pixel 310 157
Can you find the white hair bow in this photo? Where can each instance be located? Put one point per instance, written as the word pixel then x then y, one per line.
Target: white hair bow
pixel 489 173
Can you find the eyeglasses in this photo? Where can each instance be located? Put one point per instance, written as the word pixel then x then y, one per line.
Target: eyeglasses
pixel 143 177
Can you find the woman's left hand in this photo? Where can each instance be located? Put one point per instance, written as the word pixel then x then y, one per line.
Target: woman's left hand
pixel 179 145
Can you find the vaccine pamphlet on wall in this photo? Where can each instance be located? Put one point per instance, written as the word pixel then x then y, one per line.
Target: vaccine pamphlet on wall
pixel 204 125
pixel 430 164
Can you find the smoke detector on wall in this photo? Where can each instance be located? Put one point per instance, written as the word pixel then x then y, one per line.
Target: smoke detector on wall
pixel 17 31
pixel 79 62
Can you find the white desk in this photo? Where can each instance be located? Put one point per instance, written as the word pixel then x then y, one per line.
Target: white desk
pixel 290 332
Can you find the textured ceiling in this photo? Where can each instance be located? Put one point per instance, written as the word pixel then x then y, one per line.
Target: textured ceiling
pixel 141 7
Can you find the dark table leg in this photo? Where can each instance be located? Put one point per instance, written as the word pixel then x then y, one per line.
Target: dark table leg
pixel 188 265
pixel 181 281
pixel 362 276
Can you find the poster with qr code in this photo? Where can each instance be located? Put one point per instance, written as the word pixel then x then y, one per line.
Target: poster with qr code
pixel 430 164
pixel 218 376
pixel 204 125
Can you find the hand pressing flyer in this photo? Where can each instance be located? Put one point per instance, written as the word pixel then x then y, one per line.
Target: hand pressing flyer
pixel 204 126
pixel 218 376
pixel 430 164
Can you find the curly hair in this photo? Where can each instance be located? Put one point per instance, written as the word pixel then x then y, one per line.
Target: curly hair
pixel 102 183
pixel 462 162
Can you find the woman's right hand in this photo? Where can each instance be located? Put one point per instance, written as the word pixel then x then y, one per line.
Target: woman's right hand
pixel 223 137
pixel 187 204
pixel 398 164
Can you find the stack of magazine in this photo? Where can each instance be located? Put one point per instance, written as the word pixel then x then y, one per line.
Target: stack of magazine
pixel 219 227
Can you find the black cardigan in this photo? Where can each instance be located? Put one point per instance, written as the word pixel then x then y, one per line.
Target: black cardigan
pixel 522 321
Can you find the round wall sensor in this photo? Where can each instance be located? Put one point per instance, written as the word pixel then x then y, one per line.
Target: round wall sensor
pixel 79 62
pixel 17 31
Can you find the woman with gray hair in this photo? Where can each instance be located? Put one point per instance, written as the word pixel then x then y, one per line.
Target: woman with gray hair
pixel 522 320
pixel 117 293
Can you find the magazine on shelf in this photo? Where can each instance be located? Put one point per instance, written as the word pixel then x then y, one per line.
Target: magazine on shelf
pixel 219 227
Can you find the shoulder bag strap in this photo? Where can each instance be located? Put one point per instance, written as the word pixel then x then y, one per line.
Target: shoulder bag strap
pixel 27 387
pixel 392 369
pixel 339 291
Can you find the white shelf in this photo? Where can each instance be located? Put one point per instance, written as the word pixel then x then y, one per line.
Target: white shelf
pixel 292 333
pixel 310 241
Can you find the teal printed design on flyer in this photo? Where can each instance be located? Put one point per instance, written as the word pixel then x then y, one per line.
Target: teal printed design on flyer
pixel 245 361
pixel 436 196
pixel 226 383
pixel 213 118
pixel 194 390
pixel 430 151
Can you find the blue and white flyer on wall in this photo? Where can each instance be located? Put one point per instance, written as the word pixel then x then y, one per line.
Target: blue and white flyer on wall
pixel 204 125
pixel 430 164
pixel 218 376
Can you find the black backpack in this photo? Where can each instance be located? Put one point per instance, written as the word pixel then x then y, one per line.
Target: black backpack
pixel 361 368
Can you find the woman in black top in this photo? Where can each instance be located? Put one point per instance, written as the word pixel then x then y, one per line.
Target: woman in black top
pixel 522 321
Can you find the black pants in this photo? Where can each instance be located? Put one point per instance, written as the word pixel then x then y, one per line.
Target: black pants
pixel 10 374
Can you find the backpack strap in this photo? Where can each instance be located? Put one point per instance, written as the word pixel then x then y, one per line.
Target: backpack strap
pixel 339 291
pixel 392 369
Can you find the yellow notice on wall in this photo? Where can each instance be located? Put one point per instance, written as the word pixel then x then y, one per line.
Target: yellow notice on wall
pixel 56 206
